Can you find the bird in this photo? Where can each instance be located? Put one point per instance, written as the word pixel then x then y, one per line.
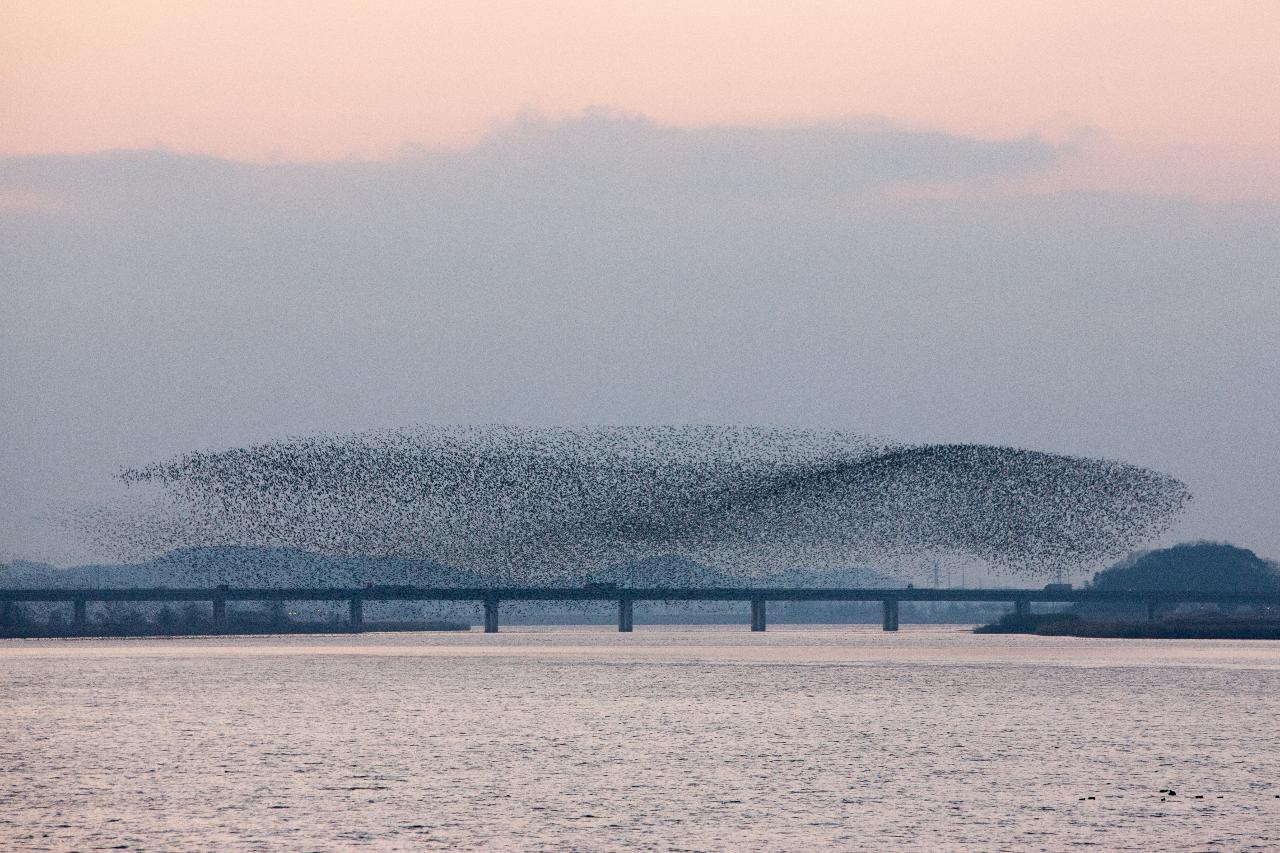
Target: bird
pixel 535 505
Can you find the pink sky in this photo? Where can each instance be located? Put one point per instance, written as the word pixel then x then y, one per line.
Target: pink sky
pixel 1175 96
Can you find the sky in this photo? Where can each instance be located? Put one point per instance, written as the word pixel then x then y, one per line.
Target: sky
pixel 1054 225
pixel 1172 96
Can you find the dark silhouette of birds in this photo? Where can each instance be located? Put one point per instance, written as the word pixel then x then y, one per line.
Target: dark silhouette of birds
pixel 531 505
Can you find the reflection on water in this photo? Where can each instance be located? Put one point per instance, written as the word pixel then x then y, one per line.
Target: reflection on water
pixel 668 738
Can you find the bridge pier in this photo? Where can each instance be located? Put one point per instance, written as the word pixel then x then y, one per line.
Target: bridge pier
pixel 491 615
pixel 357 613
pixel 890 614
pixel 79 613
pixel 1022 608
pixel 624 615
pixel 757 614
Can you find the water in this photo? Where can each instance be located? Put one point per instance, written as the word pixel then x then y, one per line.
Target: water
pixel 667 739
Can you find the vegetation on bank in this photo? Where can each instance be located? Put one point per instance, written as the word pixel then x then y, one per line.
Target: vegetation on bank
pixel 1190 626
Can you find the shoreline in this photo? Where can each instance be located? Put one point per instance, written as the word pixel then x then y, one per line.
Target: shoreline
pixel 112 632
pixel 1203 627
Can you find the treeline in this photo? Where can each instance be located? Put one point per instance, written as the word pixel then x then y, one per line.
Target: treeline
pixel 115 619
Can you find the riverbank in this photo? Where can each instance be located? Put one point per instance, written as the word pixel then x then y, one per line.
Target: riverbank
pixel 1189 627
pixel 41 632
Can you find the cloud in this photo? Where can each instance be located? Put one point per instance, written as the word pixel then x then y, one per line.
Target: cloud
pixel 805 164
pixel 600 157
pixel 608 269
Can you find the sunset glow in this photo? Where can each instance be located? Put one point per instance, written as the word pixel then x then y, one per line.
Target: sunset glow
pixel 1168 97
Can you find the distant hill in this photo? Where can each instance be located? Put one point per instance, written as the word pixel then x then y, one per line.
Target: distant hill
pixel 666 570
pixel 1202 566
pixel 673 570
pixel 280 567
pixel 242 566
pixel 851 577
pixel 24 573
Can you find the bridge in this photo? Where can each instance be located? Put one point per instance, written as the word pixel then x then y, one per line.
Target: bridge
pixel 492 597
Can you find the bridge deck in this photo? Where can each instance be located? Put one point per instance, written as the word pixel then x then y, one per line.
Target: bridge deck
pixel 416 593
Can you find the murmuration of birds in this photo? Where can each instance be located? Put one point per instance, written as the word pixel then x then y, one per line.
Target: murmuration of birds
pixel 537 505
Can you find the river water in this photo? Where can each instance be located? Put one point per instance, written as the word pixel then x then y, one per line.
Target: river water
pixel 666 739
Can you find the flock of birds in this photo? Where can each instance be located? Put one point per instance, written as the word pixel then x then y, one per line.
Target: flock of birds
pixel 535 505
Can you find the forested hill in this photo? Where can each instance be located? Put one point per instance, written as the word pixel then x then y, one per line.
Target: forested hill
pixel 1205 566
